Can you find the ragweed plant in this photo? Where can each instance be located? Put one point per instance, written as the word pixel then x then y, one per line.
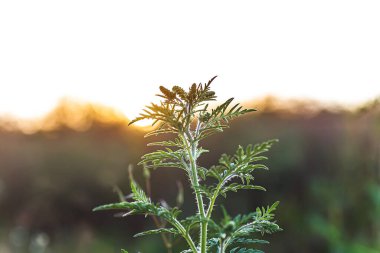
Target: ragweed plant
pixel 184 119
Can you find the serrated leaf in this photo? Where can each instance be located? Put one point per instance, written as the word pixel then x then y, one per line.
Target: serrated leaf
pixel 137 193
pixel 146 208
pixel 185 114
pixel 244 250
pixel 157 231
pixel 248 241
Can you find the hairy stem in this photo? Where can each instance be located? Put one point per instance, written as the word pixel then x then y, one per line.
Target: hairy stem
pixel 185 235
pixel 199 199
pixel 190 243
pixel 192 153
pixel 212 201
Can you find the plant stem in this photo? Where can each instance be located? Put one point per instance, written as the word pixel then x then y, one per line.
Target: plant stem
pixel 190 243
pixel 221 247
pixel 212 201
pixel 185 235
pixel 199 199
pixel 192 152
pixel 204 236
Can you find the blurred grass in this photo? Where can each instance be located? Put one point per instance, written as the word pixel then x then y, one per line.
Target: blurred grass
pixel 325 171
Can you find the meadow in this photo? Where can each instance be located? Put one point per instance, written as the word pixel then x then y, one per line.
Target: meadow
pixel 325 171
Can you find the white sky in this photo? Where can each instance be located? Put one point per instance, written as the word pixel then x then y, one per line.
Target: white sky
pixel 118 52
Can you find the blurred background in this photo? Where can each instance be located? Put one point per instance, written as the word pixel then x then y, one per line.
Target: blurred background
pixel 325 171
pixel 73 73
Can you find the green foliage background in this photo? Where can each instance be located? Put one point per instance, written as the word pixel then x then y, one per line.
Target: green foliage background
pixel 325 171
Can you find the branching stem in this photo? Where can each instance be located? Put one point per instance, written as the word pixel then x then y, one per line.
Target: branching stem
pixel 192 153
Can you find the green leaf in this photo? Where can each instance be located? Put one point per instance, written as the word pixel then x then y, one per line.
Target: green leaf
pixel 137 193
pixel 216 120
pixel 184 118
pixel 124 251
pixel 239 231
pixel 191 222
pixel 235 187
pixel 248 241
pixel 239 166
pixel 146 208
pixel 244 250
pixel 165 158
pixel 157 231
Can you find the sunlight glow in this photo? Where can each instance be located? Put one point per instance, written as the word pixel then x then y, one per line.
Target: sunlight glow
pixel 117 53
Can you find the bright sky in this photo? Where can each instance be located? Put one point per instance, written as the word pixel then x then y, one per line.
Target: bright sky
pixel 118 52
